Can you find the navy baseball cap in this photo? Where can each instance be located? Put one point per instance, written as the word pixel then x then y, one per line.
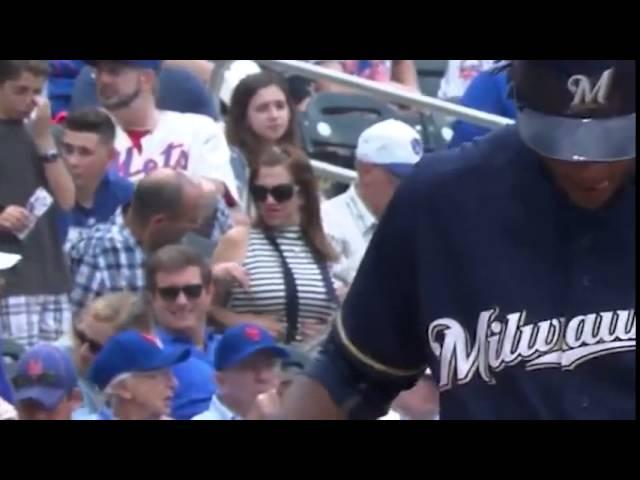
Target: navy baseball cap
pixel 240 342
pixel 577 110
pixel 131 352
pixel 45 373
pixel 147 64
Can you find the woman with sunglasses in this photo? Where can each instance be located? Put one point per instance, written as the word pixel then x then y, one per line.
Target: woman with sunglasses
pixel 261 115
pixel 98 322
pixel 285 254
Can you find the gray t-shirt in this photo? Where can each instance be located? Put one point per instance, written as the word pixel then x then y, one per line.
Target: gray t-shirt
pixel 42 270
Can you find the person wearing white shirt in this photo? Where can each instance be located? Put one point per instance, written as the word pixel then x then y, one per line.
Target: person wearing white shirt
pixel 148 138
pixel 386 153
pixel 247 364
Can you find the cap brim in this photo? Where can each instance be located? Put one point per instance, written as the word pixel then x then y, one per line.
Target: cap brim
pixel 276 350
pixel 578 139
pixel 50 398
pixel 168 359
pixel 400 170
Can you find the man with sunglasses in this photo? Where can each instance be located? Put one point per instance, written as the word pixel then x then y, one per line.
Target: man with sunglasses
pixel 45 384
pixel 507 266
pixel 180 285
pixel 87 148
pixel 386 153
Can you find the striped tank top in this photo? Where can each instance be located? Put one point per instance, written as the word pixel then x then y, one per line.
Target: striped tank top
pixel 267 295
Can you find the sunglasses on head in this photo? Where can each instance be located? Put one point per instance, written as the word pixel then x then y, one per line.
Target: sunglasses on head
pixel 170 294
pixel 44 379
pixel 279 193
pixel 93 346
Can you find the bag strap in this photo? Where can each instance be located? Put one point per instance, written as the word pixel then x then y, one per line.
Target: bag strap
pixel 291 291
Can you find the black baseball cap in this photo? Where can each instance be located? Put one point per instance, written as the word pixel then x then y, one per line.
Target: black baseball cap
pixel 577 110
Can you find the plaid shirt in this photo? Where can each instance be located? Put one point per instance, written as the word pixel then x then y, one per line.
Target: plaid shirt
pixel 109 259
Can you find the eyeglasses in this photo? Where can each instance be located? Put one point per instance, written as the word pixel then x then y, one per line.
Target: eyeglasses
pixel 93 346
pixel 280 193
pixel 170 294
pixel 44 379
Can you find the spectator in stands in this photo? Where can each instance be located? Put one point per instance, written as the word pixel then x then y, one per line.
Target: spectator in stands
pixel 179 90
pixel 133 370
pixel 488 92
pixel 148 138
pixel 99 321
pixel 247 365
pixel 180 285
pixel 87 148
pixel 35 305
pixel 386 153
pixel 458 77
pixel 45 384
pixel 399 73
pixel 261 115
pixel 166 205
pixel 285 254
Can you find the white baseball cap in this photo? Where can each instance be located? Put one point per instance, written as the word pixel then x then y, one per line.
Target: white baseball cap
pixel 392 144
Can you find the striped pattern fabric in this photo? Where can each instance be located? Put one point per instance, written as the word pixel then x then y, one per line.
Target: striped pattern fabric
pixel 267 295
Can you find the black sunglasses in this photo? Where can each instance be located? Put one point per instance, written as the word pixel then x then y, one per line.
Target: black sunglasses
pixel 44 379
pixel 84 339
pixel 280 193
pixel 170 294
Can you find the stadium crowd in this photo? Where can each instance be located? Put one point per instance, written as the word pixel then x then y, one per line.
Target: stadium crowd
pixel 165 254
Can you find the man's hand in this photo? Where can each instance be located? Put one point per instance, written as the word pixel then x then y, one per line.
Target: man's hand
pixel 231 273
pixel 41 126
pixel 14 219
pixel 266 406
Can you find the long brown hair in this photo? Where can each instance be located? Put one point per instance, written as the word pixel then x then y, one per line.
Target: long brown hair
pixel 299 167
pixel 239 133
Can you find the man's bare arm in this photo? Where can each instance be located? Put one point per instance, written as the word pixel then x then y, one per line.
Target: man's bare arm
pixel 306 399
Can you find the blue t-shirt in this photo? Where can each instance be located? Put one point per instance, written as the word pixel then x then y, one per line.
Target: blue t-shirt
pixel 488 92
pixel 521 303
pixel 113 192
pixel 195 377
pixel 179 90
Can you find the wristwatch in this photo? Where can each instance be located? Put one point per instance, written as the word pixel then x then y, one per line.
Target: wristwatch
pixel 49 157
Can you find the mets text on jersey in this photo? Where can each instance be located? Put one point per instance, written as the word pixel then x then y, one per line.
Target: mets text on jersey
pixel 554 343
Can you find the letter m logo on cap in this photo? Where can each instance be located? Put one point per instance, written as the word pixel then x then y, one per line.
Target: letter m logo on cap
pixel 34 368
pixel 585 94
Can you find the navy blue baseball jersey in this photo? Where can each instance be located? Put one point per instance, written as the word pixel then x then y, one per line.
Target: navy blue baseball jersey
pixel 522 304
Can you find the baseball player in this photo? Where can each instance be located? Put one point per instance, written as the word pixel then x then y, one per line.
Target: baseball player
pixel 149 138
pixel 507 266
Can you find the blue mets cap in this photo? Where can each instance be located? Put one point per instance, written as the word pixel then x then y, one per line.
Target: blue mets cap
pixel 132 352
pixel 45 373
pixel 242 341
pixel 146 64
pixel 577 110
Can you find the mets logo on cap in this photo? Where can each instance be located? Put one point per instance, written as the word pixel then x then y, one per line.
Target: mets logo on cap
pixel 252 333
pixel 34 368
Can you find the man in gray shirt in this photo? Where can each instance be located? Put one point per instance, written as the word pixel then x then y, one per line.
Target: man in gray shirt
pixel 33 184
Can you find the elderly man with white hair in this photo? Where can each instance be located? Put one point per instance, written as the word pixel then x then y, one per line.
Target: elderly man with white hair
pixel 134 371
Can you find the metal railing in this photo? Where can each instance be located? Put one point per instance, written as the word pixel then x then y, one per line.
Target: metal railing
pixel 381 91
